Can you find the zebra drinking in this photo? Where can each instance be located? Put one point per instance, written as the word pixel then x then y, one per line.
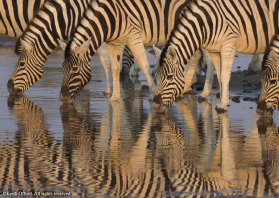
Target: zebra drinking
pixel 55 21
pixel 133 23
pixel 269 98
pixel 221 27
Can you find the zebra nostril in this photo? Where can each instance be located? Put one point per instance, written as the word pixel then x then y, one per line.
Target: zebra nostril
pixel 262 105
pixel 10 84
pixel 158 99
pixel 12 89
pixel 65 95
pixel 18 91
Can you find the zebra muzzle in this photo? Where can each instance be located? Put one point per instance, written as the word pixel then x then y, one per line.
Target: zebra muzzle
pixel 12 89
pixel 158 104
pixel 65 96
pixel 263 110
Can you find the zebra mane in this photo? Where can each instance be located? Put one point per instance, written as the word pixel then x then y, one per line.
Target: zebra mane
pixel 68 49
pixel 18 47
pixel 268 51
pixel 189 7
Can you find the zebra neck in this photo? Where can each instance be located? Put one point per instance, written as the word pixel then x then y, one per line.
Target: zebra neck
pixel 274 46
pixel 57 19
pixel 98 24
pixel 187 36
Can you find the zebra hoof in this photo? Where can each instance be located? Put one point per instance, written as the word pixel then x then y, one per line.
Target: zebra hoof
pixel 201 99
pixel 220 108
pixel 106 92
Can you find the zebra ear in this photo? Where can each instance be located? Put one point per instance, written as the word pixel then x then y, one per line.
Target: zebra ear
pixel 157 51
pixel 273 56
pixel 83 48
pixel 62 44
pixel 27 46
pixel 171 54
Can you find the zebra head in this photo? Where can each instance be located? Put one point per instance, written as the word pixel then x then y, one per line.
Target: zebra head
pixel 76 71
pixel 169 79
pixel 28 70
pixel 269 97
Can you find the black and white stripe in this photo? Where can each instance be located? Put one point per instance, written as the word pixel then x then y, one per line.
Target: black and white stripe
pixel 16 14
pixel 133 23
pixel 269 98
pixel 56 20
pixel 221 27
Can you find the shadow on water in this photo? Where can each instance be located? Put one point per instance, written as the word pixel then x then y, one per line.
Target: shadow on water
pixel 131 152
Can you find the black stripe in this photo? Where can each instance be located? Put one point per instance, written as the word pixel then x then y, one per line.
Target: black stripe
pixel 155 10
pixel 243 23
pixel 15 8
pixel 61 20
pixel 147 13
pixel 2 20
pixel 8 15
pixel 25 11
pixel 36 6
pixel 275 15
pixel 209 33
pixel 141 16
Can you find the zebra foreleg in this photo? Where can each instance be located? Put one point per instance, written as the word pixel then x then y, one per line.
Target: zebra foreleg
pixel 209 76
pixel 114 53
pixel 191 71
pixel 216 59
pixel 227 56
pixel 137 48
pixel 256 63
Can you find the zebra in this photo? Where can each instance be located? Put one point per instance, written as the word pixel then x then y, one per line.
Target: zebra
pixel 221 27
pixel 268 133
pixel 269 97
pixel 140 24
pixel 16 14
pixel 54 22
pixel 33 148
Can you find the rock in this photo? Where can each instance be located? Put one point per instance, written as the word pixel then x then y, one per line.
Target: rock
pixel 236 99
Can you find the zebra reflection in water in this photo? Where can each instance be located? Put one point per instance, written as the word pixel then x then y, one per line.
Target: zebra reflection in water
pixel 131 152
pixel 31 162
pixel 269 134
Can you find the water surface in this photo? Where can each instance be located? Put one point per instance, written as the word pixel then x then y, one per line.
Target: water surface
pixel 97 148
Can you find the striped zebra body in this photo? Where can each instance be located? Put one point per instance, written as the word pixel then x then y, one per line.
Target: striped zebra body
pixel 222 27
pixel 56 20
pixel 269 98
pixel 139 24
pixel 16 14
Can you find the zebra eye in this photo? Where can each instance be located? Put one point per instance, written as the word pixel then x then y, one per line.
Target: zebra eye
pixel 169 77
pixel 21 64
pixel 75 69
pixel 272 81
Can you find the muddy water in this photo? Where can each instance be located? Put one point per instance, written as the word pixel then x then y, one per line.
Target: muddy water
pixel 97 148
